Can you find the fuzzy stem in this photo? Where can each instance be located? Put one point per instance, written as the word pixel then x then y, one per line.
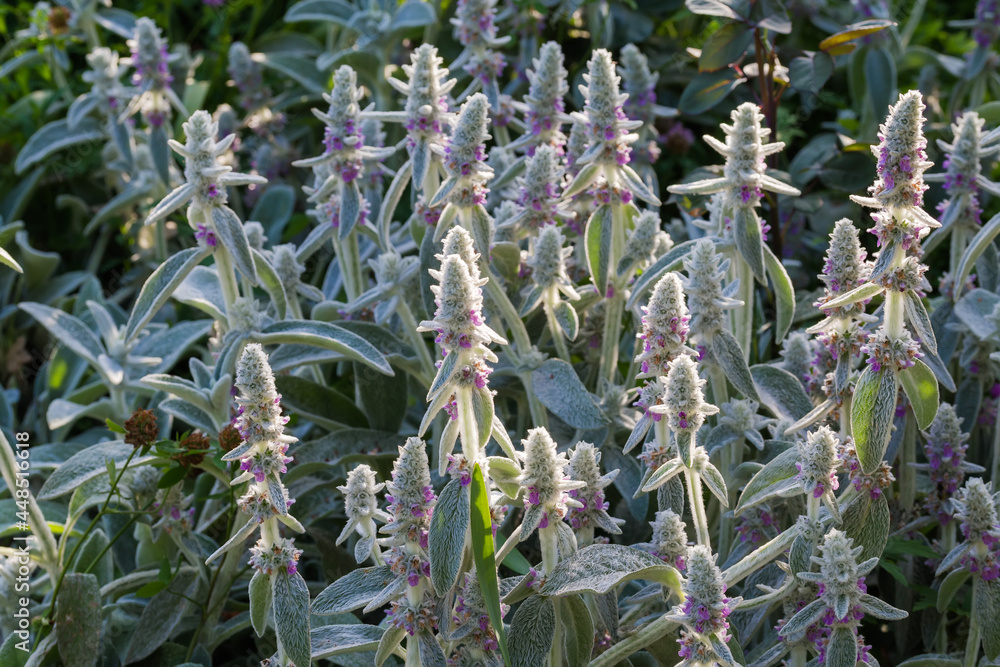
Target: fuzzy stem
pixel 654 631
pixel 743 316
pixel 416 340
pixel 972 645
pixel 697 500
pixel 227 278
pixel 557 334
pixel 908 456
pixel 763 555
pixel 612 336
pixel 717 381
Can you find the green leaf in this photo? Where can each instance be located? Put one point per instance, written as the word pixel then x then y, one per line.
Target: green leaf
pixel 599 568
pixel 598 236
pixel 446 541
pixel 113 427
pixel 273 210
pixel 54 137
pixel 558 388
pixel 749 240
pixel 834 44
pixel 931 660
pixel 531 633
pixel 671 261
pixel 159 286
pixel 872 412
pixel 481 527
pixel 164 612
pixel 784 294
pixel 950 585
pixel 842 649
pixel 271 283
pixel 707 89
pixel 260 601
pixel 921 388
pixel 331 640
pixel 725 46
pixel 880 74
pixel 291 616
pixel 87 465
pixel 233 239
pixel 918 318
pixel 78 620
pixel 810 71
pixel 171 477
pixel 68 330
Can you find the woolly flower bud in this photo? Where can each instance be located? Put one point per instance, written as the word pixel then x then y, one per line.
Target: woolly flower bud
pixel 539 188
pixel 458 320
pixel 259 418
pixel 247 315
pixel 740 415
pixel 987 23
pixel 458 241
pixel 410 494
pixel 945 449
pixel 361 508
pixel 104 77
pixel 548 259
pixel 202 167
pixel 280 556
pixel 893 353
pixel 547 89
pixel 287 266
pixel 255 234
pixel 797 354
pixel 149 56
pixel 684 402
pixel 977 509
pixel 963 177
pixel 342 136
pixel 664 327
pixel 669 541
pixel 472 616
pixel 585 466
pixel 817 464
pixel 247 78
pixel 902 155
pixel 576 145
pixel 639 83
pixel 840 578
pixel 644 241
pixel 608 125
pixel 544 481
pixel 465 153
pixel 426 100
pixel 705 610
pixel 846 265
pixel 703 286
pixel 745 164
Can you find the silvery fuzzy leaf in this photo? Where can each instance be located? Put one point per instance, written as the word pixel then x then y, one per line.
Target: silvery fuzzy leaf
pixel 932 660
pixel 248 529
pixel 532 518
pixel 431 653
pixel 578 630
pixel 867 522
pixel 638 187
pixel 842 649
pixel 880 609
pixel 388 644
pixel 569 321
pixel 921 389
pixel 671 261
pixel 597 243
pixel 482 230
pixel 784 294
pixel 233 239
pixel 514 169
pixel 749 240
pixel 353 591
pixel 69 330
pixel 386 595
pixel 881 265
pixel 716 483
pixel 483 411
pixel 54 137
pixel 162 615
pixel 565 540
pixel 872 413
pixel 983 238
pixel 671 496
pixel 363 548
pixel 918 318
pixel 89 464
pixel 599 568
pixel 350 209
pixel 531 632
pixel 159 286
pixel 331 640
pixel 663 474
pixel 271 283
pixel 953 557
pixel 775 479
pixel 728 354
pixel 639 431
pixel 202 290
pixel 260 590
pixel 581 181
pixel 974 310
pixel 182 388
pixel 134 194
pixel 986 605
pixel 159 151
pixel 327 336
pixel 291 616
pixel 189 414
pixel 950 585
pixel 801 621
pixel 781 392
pixel 446 542
pixel 78 620
pixel 559 389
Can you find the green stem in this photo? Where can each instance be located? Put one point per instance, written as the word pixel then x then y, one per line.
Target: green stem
pixel 410 325
pixel 652 632
pixel 907 473
pixel 522 342
pixel 227 279
pixel 972 645
pixel 557 334
pixel 612 336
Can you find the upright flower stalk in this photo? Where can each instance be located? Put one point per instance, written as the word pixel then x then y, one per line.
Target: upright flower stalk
pixel 551 283
pixel 544 105
pixel 218 228
pixel 604 169
pixel 150 61
pixel 704 615
pixel 476 30
pixel 898 274
pixel 585 466
pixel 740 190
pixel 461 385
pixel 337 186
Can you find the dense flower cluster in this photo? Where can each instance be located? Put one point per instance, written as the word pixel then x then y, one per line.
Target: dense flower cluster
pixel 945 447
pixel 545 483
pixel 705 611
pixel 585 466
pixel 664 327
